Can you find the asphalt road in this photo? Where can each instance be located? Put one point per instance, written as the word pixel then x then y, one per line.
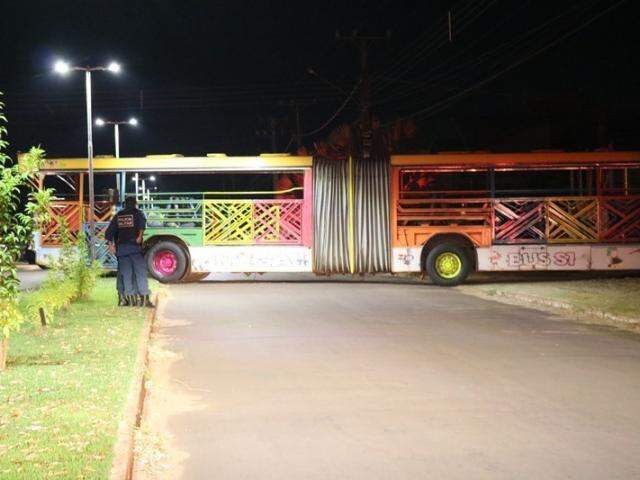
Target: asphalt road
pixel 31 276
pixel 393 381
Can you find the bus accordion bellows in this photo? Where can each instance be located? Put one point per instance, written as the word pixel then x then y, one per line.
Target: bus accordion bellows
pixel 444 215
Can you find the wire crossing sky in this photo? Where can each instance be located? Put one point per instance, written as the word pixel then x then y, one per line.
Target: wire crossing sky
pixel 214 76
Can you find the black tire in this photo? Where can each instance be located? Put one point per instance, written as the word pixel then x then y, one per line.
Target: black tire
pixel 167 262
pixel 458 274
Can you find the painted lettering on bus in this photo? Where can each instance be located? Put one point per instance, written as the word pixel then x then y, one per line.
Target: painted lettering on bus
pixel 251 261
pixel 564 259
pixel 541 259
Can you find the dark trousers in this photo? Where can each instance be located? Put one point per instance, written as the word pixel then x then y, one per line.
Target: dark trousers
pixel 120 281
pixel 133 270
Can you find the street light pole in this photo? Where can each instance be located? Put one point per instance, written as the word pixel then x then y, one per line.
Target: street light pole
pixel 122 175
pixel 116 133
pixel 116 136
pixel 92 199
pixel 63 68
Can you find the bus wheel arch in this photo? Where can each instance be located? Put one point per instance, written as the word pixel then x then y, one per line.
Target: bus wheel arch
pixel 167 257
pixel 448 258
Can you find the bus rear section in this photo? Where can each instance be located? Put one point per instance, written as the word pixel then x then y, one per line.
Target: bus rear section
pixel 453 214
pixel 242 222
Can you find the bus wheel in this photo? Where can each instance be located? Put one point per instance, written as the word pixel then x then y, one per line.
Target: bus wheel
pixel 448 264
pixel 167 262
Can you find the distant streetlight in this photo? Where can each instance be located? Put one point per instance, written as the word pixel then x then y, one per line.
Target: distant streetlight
pixel 141 184
pixel 63 68
pixel 116 129
pixel 116 133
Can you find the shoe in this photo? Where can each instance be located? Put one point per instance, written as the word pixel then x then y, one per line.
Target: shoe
pixel 147 302
pixel 131 300
pixel 123 300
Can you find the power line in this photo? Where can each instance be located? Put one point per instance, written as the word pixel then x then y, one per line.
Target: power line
pixel 330 119
pixel 412 61
pixel 421 42
pixel 470 66
pixel 443 104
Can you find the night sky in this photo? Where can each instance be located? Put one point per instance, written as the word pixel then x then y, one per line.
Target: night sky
pixel 217 76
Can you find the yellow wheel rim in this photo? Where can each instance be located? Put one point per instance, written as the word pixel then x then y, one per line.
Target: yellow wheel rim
pixel 448 265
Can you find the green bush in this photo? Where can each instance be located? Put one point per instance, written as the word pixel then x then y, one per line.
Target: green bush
pixel 71 278
pixel 17 222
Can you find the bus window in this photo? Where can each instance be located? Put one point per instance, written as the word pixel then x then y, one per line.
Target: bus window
pixel 438 184
pixel 288 185
pixel 65 186
pixel 620 181
pixel 237 185
pixel 540 183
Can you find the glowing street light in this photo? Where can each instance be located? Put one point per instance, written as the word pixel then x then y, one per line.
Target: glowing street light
pixel 116 133
pixel 63 68
pixel 116 129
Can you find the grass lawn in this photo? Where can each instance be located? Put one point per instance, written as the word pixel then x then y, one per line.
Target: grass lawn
pixel 64 389
pixel 615 296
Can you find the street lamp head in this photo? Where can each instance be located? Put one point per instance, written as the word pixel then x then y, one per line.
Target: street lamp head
pixel 99 122
pixel 133 121
pixel 152 178
pixel 61 67
pixel 114 67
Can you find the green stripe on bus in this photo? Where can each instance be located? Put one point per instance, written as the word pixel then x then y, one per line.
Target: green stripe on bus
pixel 190 236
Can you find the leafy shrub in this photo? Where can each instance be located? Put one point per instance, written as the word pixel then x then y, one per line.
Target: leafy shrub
pixel 86 272
pixel 72 277
pixel 17 221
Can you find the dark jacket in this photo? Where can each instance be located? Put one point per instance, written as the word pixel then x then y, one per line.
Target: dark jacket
pixel 124 229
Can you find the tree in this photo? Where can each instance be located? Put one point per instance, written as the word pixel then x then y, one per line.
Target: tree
pixel 17 222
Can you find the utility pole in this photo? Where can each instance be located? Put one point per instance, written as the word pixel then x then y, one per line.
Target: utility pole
pixel 363 42
pixel 269 131
pixel 274 135
pixel 296 105
pixel 298 131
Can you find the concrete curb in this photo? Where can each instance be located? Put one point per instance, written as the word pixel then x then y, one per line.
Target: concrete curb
pixel 122 466
pixel 533 300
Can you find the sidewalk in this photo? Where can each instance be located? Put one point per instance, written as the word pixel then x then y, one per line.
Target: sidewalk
pixel 605 301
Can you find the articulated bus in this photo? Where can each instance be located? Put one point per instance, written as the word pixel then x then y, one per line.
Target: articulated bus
pixel 444 215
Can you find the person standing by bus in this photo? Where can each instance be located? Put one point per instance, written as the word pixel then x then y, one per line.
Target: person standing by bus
pixel 124 236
